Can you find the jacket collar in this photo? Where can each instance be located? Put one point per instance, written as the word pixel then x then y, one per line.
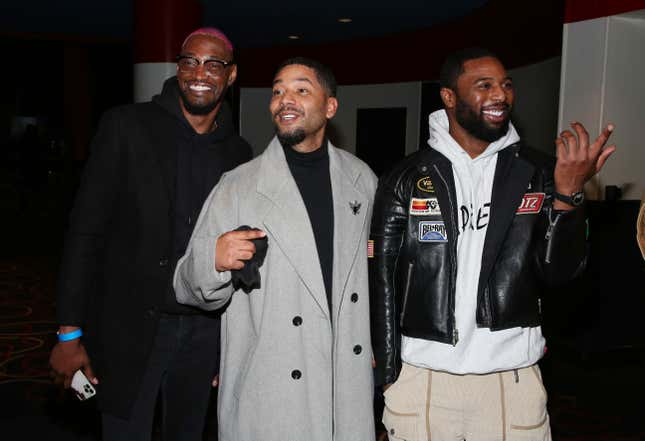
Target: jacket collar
pixel 512 176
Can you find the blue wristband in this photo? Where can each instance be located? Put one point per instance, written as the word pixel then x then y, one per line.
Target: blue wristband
pixel 70 335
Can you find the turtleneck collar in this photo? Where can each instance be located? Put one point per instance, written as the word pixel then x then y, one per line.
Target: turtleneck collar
pixel 308 158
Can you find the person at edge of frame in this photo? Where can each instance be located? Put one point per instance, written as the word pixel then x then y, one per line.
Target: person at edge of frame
pixel 464 236
pixel 151 167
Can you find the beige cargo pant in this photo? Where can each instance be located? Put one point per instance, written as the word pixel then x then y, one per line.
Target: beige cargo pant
pixel 427 405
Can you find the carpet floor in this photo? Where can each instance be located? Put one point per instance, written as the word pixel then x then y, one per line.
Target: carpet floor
pixel 595 397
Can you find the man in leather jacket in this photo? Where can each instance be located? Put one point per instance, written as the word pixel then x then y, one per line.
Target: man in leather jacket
pixel 465 236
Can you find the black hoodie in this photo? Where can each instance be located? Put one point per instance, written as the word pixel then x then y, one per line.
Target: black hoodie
pixel 201 161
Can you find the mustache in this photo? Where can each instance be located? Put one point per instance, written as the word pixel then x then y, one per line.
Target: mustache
pixel 288 109
pixel 201 82
pixel 500 106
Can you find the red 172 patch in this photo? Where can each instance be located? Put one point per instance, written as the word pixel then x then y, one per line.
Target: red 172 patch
pixel 531 203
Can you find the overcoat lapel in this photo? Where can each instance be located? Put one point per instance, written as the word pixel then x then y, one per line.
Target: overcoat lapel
pixel 351 208
pixel 287 221
pixel 512 177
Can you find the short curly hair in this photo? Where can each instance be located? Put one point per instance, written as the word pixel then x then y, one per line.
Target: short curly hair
pixel 324 74
pixel 453 66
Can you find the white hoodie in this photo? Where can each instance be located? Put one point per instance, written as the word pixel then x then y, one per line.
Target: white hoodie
pixel 479 350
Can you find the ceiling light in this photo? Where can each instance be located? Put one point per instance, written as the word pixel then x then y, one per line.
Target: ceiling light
pixel 294 37
pixel 344 20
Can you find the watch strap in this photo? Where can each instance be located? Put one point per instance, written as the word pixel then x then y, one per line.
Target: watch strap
pixel 575 199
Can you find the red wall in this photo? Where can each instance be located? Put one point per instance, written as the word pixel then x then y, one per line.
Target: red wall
pixel 578 10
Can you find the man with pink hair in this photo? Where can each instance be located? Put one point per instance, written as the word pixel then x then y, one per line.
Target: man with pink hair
pixel 212 32
pixel 151 167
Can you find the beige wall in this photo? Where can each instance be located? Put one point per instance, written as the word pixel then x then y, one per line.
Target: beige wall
pixel 602 81
pixel 535 113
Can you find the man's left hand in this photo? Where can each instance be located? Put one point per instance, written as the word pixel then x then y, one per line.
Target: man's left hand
pixel 577 160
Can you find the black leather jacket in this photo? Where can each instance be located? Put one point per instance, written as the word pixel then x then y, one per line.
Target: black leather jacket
pixel 414 267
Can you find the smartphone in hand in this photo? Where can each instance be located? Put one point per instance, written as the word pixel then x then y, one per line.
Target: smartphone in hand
pixel 82 386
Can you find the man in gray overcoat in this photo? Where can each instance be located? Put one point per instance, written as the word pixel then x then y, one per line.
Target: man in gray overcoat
pixel 296 361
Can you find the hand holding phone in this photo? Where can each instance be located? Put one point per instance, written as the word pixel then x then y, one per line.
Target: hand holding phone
pixel 82 386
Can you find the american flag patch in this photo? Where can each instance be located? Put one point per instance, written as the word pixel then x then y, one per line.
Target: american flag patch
pixel 370 249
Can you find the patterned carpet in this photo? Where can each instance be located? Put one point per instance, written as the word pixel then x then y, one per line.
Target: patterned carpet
pixel 600 399
pixel 26 326
pixel 31 407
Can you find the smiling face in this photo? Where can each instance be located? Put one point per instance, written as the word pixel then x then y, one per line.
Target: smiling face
pixel 300 107
pixel 482 101
pixel 201 90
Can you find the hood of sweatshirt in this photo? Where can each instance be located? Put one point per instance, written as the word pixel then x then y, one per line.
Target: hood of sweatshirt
pixel 441 141
pixel 474 176
pixel 169 98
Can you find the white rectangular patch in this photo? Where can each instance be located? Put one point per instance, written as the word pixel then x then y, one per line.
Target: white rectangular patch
pixel 424 207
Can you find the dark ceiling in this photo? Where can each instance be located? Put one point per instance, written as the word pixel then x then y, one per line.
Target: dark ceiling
pixel 249 23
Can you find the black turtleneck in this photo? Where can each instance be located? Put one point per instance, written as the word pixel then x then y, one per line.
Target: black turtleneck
pixel 311 173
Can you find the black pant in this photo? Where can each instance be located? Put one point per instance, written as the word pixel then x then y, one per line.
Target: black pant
pixel 181 367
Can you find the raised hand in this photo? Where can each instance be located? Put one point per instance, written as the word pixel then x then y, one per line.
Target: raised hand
pixel 577 160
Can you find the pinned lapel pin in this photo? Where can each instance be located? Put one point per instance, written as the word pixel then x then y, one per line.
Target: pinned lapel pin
pixel 355 206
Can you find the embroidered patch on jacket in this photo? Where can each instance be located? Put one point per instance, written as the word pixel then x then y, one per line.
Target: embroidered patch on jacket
pixel 431 231
pixel 424 207
pixel 531 203
pixel 425 184
pixel 370 249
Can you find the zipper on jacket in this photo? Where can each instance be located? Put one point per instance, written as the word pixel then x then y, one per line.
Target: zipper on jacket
pixel 549 234
pixel 394 340
pixel 394 327
pixel 453 257
pixel 408 282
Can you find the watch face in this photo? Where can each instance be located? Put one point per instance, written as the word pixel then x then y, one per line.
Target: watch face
pixel 577 198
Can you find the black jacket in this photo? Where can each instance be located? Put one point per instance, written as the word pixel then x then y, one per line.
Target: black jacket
pixel 118 258
pixel 413 274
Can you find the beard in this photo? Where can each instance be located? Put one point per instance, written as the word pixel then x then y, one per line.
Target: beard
pixel 197 109
pixel 474 123
pixel 289 139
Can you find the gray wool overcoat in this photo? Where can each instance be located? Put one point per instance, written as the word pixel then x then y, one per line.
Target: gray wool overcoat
pixel 291 370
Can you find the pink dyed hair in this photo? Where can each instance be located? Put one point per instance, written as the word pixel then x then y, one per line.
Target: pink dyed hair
pixel 212 32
